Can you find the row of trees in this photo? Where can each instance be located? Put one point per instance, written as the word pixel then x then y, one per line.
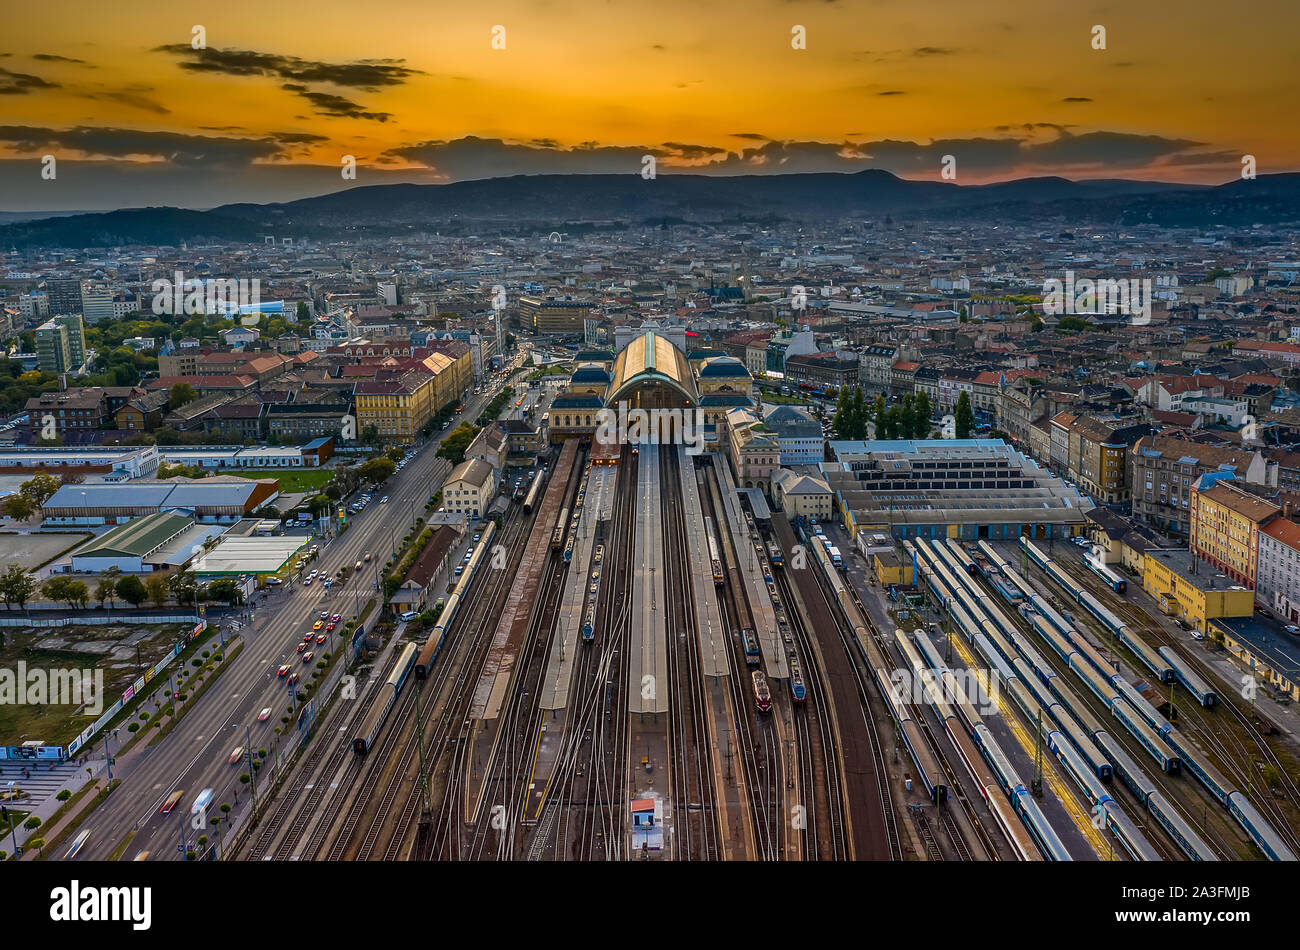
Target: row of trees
pixel 17 587
pixel 909 419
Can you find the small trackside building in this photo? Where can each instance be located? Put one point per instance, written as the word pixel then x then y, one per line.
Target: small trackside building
pixel 469 488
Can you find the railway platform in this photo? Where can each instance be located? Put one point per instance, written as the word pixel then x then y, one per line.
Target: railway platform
pixel 648 674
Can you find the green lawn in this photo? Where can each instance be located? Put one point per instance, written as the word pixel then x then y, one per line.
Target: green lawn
pixel 295 479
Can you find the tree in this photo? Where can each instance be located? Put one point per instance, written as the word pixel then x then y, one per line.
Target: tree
pixel 105 590
pixel 924 412
pixel 843 412
pixel 965 416
pixel 453 447
pixel 158 588
pixel 180 394
pixel 18 507
pixel 39 488
pixel 132 590
pixel 227 590
pixel 16 586
pixel 184 586
pixel 377 470
pixel 395 453
pixel 878 415
pixel 302 312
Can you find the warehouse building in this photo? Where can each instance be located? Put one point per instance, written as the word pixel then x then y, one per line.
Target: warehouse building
pixel 160 541
pixel 220 500
pixel 955 488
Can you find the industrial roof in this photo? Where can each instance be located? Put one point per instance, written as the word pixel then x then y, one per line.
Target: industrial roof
pixel 138 537
pixel 249 555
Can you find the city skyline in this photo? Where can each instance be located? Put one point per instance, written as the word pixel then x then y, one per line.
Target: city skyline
pixel 135 115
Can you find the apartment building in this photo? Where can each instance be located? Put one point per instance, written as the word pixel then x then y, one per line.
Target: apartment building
pixel 1225 526
pixel 1164 468
pixel 1277 575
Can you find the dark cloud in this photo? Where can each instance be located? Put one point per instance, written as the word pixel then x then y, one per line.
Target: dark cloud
pixel 987 157
pixel 934 51
pixel 751 135
pixel 1076 99
pixel 892 92
pixel 53 58
pixel 171 147
pixel 368 74
pixel 329 104
pixel 20 84
pixel 135 100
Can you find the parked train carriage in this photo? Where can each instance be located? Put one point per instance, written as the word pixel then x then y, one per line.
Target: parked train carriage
pixel 1098 662
pixel 927 766
pixel 433 645
pixel 750 640
pixel 1027 701
pixel 1101 687
pixel 1139 702
pixel 1070 700
pixel 1025 673
pixel 1078 769
pixel 1094 757
pixel 1142 650
pixel 1006 774
pixel 1004 646
pixel 557 535
pixel 798 688
pixel 960 554
pixel 534 491
pixel 1128 770
pixel 1192 844
pixel 1022 842
pixel 776 555
pixel 1137 845
pixel 1035 552
pixel 1098 610
pixel 384 700
pixel 1122 711
pixel 1045 835
pixel 1111 579
pixel 762 694
pixel 1269 841
pixel 996 661
pixel 1063 626
pixel 1198 765
pixel 1064 649
pixel 1189 677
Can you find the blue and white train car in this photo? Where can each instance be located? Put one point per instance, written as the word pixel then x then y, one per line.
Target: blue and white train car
pixel 1189 677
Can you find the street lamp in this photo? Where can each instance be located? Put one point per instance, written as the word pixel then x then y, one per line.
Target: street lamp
pixel 252 772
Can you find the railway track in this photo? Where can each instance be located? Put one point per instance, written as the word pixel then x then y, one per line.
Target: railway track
pixel 760 771
pixel 853 650
pixel 825 824
pixel 1230 753
pixel 598 748
pixel 693 793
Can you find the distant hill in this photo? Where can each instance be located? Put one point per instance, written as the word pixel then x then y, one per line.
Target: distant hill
pixel 166 226
pixel 562 202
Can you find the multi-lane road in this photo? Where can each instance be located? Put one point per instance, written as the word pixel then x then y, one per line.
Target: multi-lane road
pixel 195 754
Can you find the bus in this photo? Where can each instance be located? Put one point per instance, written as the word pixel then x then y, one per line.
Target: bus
pixel 77 842
pixel 172 801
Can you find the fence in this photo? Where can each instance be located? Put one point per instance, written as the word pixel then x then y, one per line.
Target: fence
pixel 89 732
pixel 88 619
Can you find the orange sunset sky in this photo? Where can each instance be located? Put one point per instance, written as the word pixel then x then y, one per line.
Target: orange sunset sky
pixel 416 92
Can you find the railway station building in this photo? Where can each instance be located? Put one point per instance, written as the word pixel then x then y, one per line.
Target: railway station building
pixel 650 372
